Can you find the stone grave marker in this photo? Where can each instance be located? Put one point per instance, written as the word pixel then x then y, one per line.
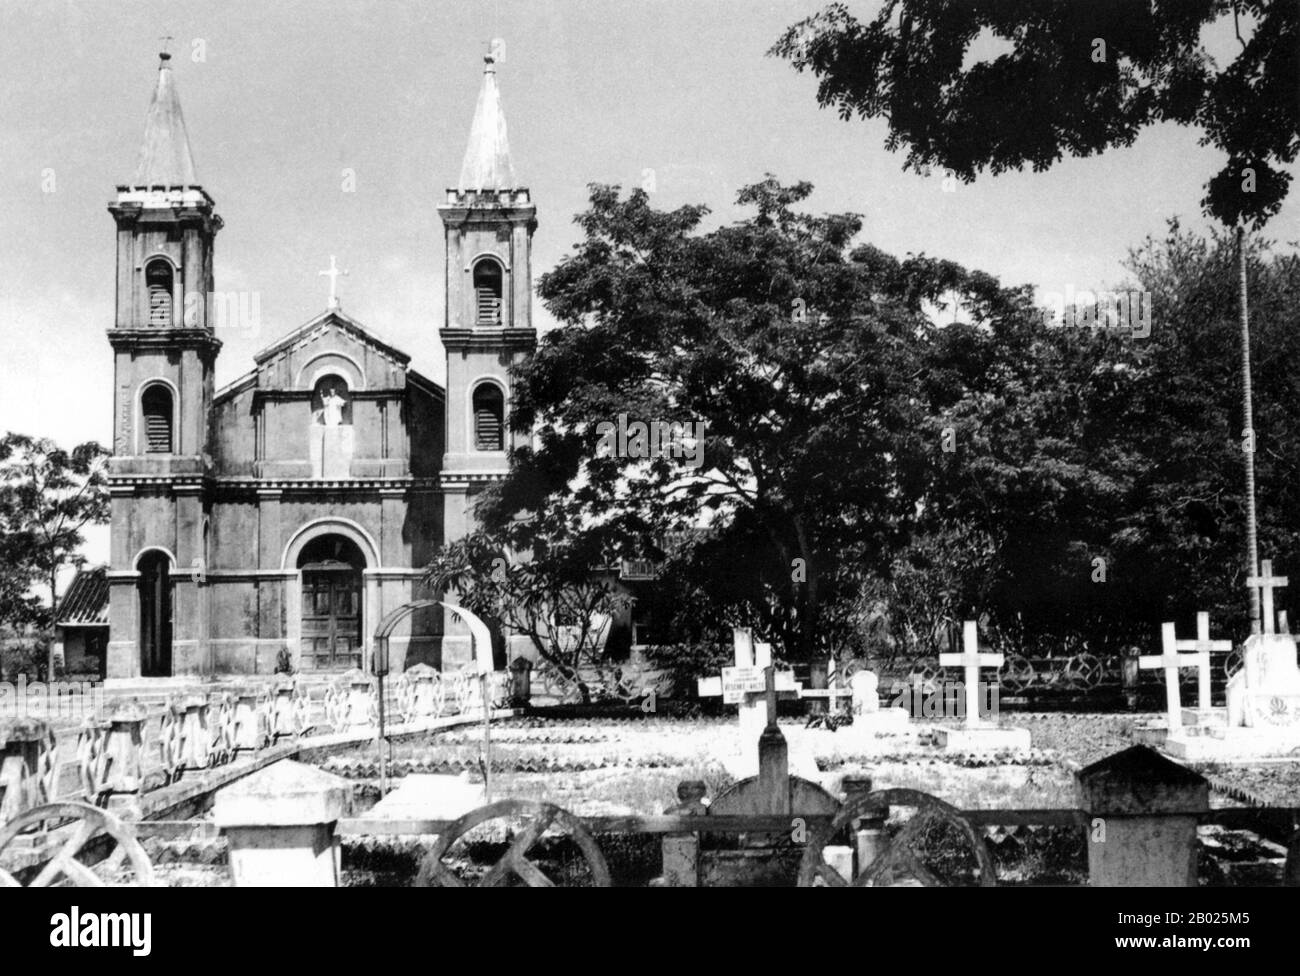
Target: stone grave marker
pixel 1173 661
pixel 977 734
pixel 1263 698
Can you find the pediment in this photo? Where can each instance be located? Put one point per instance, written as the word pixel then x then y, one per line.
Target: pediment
pixel 331 343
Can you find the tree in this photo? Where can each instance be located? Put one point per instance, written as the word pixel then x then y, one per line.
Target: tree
pixel 47 497
pixel 1078 78
pixel 551 595
pixel 790 357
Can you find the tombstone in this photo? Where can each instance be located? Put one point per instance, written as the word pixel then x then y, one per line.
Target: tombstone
pixel 744 685
pixel 868 717
pixel 427 796
pixel 977 734
pixel 279 824
pixel 1172 661
pixel 761 860
pixel 1263 698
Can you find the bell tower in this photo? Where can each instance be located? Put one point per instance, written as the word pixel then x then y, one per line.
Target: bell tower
pixel 164 353
pixel 488 219
pixel 163 342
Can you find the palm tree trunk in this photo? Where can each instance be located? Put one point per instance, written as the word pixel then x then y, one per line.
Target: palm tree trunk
pixel 1248 418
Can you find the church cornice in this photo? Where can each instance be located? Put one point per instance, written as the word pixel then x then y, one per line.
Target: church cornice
pixel 488 338
pixel 164 338
pixel 128 484
pixel 326 484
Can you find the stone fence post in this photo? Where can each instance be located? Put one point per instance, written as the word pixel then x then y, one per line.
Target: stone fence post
pixel 681 852
pixel 28 766
pixel 1130 675
pixel 279 823
pixel 1143 812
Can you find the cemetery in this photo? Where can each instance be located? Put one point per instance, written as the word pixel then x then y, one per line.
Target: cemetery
pixel 474 778
pixel 655 530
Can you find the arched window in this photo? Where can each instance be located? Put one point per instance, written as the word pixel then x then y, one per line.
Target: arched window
pixel 487 292
pixel 158 281
pixel 156 410
pixel 489 418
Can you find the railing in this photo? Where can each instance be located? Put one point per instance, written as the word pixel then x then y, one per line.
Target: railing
pixel 132 750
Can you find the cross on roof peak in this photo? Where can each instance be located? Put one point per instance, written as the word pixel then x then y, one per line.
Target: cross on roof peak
pixel 332 273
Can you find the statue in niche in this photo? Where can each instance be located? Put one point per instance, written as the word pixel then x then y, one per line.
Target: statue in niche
pixel 331 443
pixel 332 407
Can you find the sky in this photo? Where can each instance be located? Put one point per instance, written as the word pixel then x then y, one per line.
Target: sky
pixel 280 99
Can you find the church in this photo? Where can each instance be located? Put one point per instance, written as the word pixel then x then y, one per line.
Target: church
pixel 274 522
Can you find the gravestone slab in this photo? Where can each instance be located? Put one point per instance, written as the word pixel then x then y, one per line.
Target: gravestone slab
pixel 427 796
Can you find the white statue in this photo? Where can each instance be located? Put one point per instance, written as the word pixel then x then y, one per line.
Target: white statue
pixel 332 408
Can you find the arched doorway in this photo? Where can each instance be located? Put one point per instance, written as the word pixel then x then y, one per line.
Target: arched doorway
pixel 332 624
pixel 154 592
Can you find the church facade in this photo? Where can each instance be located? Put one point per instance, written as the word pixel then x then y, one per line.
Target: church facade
pixel 274 522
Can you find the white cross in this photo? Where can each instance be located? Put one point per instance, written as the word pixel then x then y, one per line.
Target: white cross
pixel 1171 661
pixel 1266 582
pixel 333 275
pixel 972 659
pixel 1202 647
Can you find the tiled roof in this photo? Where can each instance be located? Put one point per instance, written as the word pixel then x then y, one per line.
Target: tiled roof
pixel 85 604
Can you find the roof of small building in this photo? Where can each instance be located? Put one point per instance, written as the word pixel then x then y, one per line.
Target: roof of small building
pixel 85 604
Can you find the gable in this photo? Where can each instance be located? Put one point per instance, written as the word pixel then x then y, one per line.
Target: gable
pixel 331 344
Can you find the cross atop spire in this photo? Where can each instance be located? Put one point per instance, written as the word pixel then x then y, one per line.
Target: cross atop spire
pixel 487 164
pixel 165 158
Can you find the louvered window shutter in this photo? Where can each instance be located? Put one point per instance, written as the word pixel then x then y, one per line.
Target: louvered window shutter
pixel 489 306
pixel 487 429
pixel 160 305
pixel 157 409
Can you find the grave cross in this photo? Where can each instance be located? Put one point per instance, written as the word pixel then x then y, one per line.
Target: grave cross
pixel 769 679
pixel 332 273
pixel 1203 646
pixel 972 659
pixel 1171 661
pixel 1266 582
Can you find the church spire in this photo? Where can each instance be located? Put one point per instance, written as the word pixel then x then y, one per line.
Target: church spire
pixel 165 158
pixel 487 163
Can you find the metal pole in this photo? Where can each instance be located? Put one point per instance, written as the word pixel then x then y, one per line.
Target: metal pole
pixel 487 739
pixel 1248 415
pixel 383 757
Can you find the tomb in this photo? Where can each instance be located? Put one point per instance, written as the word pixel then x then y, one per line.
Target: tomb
pixel 976 733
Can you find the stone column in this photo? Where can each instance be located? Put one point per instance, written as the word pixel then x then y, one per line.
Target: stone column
pixel 279 823
pixel 1143 811
pixel 681 852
